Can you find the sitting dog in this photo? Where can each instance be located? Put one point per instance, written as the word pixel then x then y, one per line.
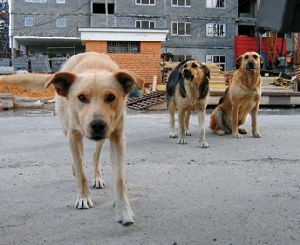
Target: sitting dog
pixel 187 90
pixel 90 101
pixel 240 98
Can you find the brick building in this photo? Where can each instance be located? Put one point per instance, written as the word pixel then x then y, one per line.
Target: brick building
pixel 137 50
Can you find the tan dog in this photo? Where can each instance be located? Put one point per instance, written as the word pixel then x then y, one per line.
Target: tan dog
pixel 90 101
pixel 187 90
pixel 241 97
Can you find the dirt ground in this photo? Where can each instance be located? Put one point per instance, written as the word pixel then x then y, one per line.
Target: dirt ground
pixel 238 191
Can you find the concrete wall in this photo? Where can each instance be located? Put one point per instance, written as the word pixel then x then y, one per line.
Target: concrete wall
pixel 45 15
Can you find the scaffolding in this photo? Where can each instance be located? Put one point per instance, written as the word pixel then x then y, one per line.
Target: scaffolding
pixel 4 26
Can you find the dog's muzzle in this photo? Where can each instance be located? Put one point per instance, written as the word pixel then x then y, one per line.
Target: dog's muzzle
pixel 98 129
pixel 187 74
pixel 250 65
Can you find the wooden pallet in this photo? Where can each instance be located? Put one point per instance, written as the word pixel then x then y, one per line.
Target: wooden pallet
pixel 141 103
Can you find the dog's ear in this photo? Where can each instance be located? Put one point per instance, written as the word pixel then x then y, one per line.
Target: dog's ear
pixel 238 62
pixel 180 69
pixel 62 82
pixel 126 80
pixel 206 70
pixel 261 62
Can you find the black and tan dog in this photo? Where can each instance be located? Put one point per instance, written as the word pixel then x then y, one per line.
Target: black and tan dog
pixel 90 101
pixel 187 90
pixel 241 98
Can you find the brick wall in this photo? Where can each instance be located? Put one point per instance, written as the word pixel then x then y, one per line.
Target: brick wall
pixel 146 63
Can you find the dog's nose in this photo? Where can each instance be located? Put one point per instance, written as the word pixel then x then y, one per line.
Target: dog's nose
pixel 98 127
pixel 250 65
pixel 186 73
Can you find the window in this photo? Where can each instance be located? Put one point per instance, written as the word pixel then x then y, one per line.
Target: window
pixel 123 47
pixel 36 1
pixel 247 9
pixel 145 2
pixel 181 3
pixel 61 22
pixel 145 24
pixel 246 30
pixel 60 1
pixel 215 30
pixel 215 4
pixel 28 21
pixel 181 28
pixel 181 57
pixel 99 8
pixel 219 60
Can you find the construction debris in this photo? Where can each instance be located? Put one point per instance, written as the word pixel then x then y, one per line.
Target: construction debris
pixel 166 69
pixel 282 82
pixel 6 70
pixel 6 101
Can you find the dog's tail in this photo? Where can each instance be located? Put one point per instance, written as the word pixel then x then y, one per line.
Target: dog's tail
pixel 28 80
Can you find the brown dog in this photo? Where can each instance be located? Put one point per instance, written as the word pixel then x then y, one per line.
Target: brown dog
pixel 90 101
pixel 241 97
pixel 187 90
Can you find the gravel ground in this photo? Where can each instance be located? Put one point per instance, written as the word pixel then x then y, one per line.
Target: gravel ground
pixel 238 191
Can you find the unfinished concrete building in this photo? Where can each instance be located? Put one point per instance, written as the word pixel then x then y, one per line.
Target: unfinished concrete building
pixel 203 30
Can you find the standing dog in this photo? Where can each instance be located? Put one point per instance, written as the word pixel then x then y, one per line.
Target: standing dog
pixel 90 101
pixel 241 97
pixel 187 89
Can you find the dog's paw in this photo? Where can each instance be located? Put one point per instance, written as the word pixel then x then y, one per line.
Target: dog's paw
pixel 220 132
pixel 188 132
pixel 243 131
pixel 124 213
pixel 203 144
pixel 99 184
pixel 173 134
pixel 125 218
pixel 237 136
pixel 83 203
pixel 256 135
pixel 182 141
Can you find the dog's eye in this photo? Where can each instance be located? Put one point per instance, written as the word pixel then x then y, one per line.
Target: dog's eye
pixel 246 57
pixel 82 98
pixel 194 65
pixel 255 56
pixel 110 98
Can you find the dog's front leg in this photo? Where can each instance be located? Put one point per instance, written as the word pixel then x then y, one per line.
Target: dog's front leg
pixel 234 120
pixel 187 116
pixel 124 213
pixel 201 120
pixel 99 182
pixel 172 109
pixel 83 199
pixel 182 137
pixel 255 130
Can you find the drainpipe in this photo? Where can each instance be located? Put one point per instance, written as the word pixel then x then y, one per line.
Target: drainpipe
pixel 106 13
